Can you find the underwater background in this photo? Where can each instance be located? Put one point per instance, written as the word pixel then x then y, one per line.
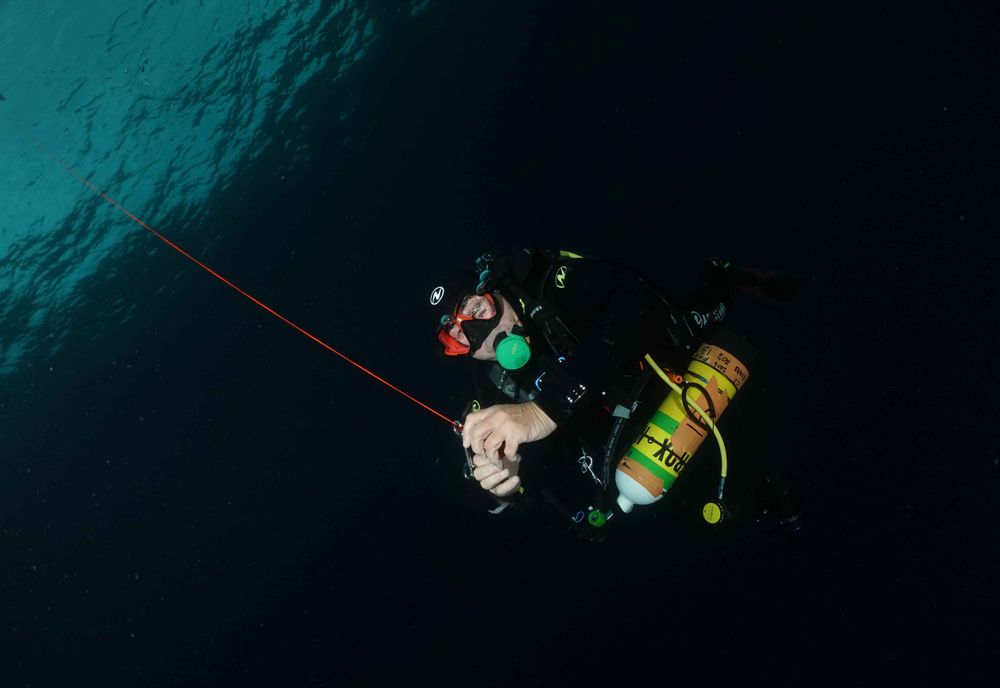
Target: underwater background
pixel 192 493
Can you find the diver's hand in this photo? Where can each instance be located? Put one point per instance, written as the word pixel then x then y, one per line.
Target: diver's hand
pixel 499 476
pixel 504 427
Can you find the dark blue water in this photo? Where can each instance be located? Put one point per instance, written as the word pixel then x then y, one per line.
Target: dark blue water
pixel 198 495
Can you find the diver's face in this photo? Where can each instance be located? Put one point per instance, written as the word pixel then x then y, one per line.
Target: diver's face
pixel 480 308
pixel 472 306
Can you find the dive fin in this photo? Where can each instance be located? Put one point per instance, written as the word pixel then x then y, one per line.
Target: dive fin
pixel 775 287
pixel 770 287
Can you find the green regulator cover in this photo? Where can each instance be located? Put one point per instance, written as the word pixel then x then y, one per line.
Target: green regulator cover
pixel 513 352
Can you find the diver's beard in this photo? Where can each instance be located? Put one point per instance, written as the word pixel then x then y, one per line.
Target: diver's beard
pixel 487 346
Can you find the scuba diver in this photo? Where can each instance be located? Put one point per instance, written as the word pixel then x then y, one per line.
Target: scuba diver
pixel 562 339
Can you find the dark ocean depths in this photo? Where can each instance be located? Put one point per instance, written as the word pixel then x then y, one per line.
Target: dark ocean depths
pixel 193 493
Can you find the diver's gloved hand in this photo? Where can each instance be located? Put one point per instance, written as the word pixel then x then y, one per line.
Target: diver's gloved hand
pixel 504 427
pixel 499 476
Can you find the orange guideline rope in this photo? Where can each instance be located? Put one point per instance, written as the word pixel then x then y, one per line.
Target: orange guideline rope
pixel 212 272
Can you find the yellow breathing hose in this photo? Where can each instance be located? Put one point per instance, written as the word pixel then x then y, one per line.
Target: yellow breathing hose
pixel 704 414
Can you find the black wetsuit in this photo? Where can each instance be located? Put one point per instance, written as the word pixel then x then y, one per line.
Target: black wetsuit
pixel 590 322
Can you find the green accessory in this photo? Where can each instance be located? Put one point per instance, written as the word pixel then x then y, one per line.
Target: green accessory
pixel 597 518
pixel 512 350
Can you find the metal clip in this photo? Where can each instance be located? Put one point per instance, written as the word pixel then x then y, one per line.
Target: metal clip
pixel 587 466
pixel 499 509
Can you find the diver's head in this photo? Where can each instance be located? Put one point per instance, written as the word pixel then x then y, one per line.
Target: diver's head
pixel 470 323
pixel 475 325
pixel 478 321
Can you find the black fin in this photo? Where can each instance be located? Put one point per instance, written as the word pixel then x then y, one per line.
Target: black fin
pixel 782 289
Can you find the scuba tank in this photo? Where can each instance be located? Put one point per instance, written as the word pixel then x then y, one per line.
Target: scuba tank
pixel 716 372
